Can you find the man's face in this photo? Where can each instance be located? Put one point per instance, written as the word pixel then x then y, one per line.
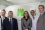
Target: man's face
pixel 3 13
pixel 41 9
pixel 32 13
pixel 10 14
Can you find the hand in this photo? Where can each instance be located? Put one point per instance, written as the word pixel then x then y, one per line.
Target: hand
pixel 26 29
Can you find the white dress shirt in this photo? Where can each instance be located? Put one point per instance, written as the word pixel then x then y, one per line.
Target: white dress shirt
pixel 41 13
pixel 34 22
pixel 11 20
pixel 2 18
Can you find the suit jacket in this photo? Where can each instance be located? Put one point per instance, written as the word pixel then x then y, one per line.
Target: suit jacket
pixel 41 22
pixel 5 17
pixel 1 19
pixel 2 23
pixel 6 25
pixel 26 24
pixel 0 16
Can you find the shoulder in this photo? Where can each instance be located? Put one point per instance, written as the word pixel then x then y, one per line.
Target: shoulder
pixel 44 13
pixel 22 18
pixel 15 19
pixel 29 18
pixel 37 16
pixel 0 16
pixel 5 17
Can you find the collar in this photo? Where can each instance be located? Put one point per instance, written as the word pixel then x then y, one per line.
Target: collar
pixel 10 18
pixel 33 16
pixel 42 13
pixel 3 16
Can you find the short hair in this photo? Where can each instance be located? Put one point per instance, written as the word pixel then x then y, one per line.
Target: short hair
pixel 4 10
pixel 41 5
pixel 10 11
pixel 33 11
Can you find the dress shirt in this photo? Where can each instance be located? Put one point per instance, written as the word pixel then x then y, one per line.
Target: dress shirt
pixel 33 18
pixel 41 13
pixel 11 20
pixel 34 22
pixel 2 18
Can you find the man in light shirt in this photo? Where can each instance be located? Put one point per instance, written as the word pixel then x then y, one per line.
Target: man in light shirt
pixel 34 19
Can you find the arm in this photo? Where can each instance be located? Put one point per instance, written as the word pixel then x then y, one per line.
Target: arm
pixel 22 26
pixel 44 23
pixel 30 25
pixel 16 25
pixel 4 25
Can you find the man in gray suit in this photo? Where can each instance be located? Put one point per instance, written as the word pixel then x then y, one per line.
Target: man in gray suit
pixel 41 19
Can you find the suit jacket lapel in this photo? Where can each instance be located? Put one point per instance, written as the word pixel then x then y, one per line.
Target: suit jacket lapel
pixel 12 22
pixel 12 19
pixel 40 17
pixel 8 22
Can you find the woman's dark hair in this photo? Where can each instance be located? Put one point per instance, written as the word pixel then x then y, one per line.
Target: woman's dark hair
pixel 27 13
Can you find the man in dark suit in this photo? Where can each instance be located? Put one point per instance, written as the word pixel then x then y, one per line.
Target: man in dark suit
pixel 3 12
pixel 10 23
pixel 41 19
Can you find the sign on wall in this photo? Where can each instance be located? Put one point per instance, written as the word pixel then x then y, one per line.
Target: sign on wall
pixel 20 12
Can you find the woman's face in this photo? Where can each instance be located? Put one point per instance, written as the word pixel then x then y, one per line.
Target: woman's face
pixel 26 14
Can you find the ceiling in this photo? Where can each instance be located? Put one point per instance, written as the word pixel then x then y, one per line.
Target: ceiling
pixel 18 2
pixel 24 1
pixel 6 3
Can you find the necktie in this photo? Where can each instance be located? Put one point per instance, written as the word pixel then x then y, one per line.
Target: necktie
pixel 40 15
pixel 2 18
pixel 10 24
pixel 33 18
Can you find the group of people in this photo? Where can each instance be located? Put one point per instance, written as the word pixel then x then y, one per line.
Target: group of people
pixel 27 23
